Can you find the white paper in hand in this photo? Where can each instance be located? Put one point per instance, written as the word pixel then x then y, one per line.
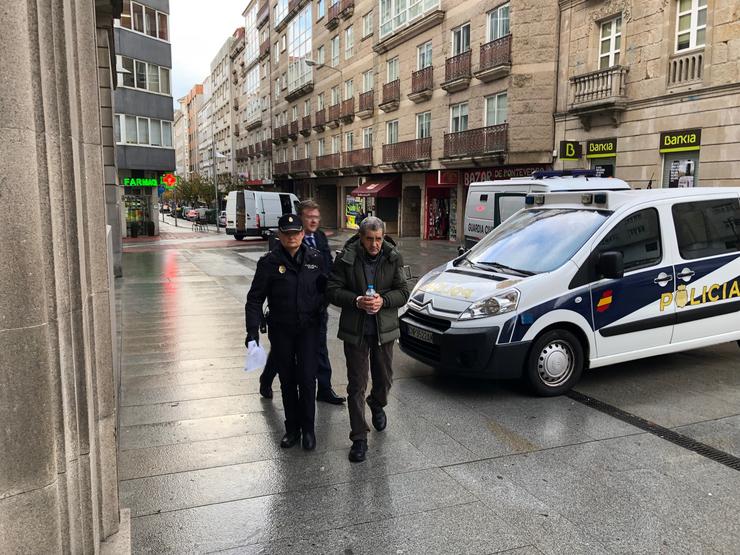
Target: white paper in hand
pixel 256 357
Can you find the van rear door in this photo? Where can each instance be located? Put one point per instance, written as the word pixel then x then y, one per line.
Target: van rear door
pixel 241 213
pixel 271 209
pixel 479 213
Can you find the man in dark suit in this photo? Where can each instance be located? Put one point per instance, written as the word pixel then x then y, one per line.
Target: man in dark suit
pixel 314 238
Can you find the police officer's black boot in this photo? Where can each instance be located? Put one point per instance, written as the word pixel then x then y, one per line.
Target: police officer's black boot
pixel 309 440
pixel 291 437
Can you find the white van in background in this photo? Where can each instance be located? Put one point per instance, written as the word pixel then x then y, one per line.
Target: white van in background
pixel 491 202
pixel 255 213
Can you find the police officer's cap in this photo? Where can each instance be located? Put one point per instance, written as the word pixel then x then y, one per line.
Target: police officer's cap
pixel 290 223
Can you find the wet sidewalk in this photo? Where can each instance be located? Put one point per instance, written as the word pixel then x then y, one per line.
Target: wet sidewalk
pixel 463 467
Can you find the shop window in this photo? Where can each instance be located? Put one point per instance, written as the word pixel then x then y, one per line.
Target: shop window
pixel 707 228
pixel 610 43
pixel 691 24
pixel 498 23
pixel 681 169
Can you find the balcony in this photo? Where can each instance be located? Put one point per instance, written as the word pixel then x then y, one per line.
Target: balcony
pixel 457 72
pixel 306 126
pixel 280 169
pixel 391 96
pixel 327 164
pixel 685 70
pixel 367 105
pixel 258 148
pixel 332 17
pixel 599 93
pixel 276 139
pixel 422 85
pixel 241 154
pixel 236 130
pixel 300 90
pixel 235 104
pixel 266 148
pixel 250 151
pixel 253 121
pixel 264 49
pixel 392 38
pixel 293 130
pixel 300 167
pixel 347 113
pixel 495 60
pixel 408 154
pixel 283 133
pixel 320 120
pixel 347 9
pixel 334 112
pixel 263 14
pixel 481 145
pixel 357 160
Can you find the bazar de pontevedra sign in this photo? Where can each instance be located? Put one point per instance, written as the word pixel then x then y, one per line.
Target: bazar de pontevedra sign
pixel 602 148
pixel 167 180
pixel 680 141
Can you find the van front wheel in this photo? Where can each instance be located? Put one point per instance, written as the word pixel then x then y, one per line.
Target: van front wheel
pixel 555 363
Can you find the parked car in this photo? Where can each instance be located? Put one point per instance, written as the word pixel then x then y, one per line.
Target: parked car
pixel 222 219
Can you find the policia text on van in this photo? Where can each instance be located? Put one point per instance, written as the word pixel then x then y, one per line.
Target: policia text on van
pixel 578 280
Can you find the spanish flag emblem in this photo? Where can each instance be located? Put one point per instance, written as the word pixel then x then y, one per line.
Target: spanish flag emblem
pixel 605 301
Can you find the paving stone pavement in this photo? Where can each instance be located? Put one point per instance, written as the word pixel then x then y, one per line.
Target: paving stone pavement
pixel 463 467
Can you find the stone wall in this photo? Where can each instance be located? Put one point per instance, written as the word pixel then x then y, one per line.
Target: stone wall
pixel 58 477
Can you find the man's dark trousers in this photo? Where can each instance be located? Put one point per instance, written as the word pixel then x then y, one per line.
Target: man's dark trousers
pixel 294 353
pixel 365 360
pixel 323 372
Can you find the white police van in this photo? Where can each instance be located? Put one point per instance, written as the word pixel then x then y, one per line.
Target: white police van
pixel 582 280
pixel 491 202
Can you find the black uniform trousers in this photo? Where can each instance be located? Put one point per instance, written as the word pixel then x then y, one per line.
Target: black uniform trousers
pixel 293 350
pixel 323 371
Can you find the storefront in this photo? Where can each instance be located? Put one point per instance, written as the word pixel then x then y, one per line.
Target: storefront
pixel 680 150
pixel 140 204
pixel 375 197
pixel 440 211
pixel 602 156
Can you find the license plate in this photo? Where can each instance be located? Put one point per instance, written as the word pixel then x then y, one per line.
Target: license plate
pixel 420 334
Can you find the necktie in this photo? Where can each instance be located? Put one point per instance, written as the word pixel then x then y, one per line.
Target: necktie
pixel 311 242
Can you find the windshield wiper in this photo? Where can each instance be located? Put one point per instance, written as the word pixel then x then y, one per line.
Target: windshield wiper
pixel 508 269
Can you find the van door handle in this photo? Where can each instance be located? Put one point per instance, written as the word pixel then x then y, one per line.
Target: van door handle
pixel 663 279
pixel 686 274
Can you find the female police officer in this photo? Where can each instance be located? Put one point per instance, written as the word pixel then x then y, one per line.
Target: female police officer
pixel 292 279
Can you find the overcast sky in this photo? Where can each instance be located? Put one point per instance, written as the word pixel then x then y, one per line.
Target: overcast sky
pixel 198 29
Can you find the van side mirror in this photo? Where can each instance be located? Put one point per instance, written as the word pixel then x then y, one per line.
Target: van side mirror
pixel 610 265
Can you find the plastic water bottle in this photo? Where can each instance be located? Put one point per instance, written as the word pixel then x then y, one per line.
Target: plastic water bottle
pixel 370 293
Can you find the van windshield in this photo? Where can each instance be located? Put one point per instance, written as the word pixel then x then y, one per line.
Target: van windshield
pixel 536 240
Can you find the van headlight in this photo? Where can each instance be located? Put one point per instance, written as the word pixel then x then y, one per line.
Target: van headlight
pixel 492 306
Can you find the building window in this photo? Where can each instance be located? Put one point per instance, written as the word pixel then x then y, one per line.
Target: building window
pixel 164 80
pixel 322 147
pixel 349 141
pixel 277 87
pixel 691 24
pixel 367 81
pixel 130 135
pixel 610 43
pixel 307 107
pixel 320 101
pixel 349 89
pixel 497 109
pixel 307 150
pixel 294 113
pixel 277 52
pixel 392 70
pixel 126 77
pixel 424 55
pixel 295 152
pixel 320 55
pixel 459 117
pixel 335 51
pixel 283 43
pixel 367 24
pixel 396 14
pixel 461 39
pixel 153 78
pixel 423 125
pixel 336 144
pixel 367 137
pixel 335 96
pixel 498 23
pixel 391 132
pixel 349 42
pixel 280 11
pixel 143 131
pixel 320 9
pixel 140 75
pixel 144 19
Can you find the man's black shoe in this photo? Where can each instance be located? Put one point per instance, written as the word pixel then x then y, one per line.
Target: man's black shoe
pixel 379 418
pixel 328 396
pixel 358 451
pixel 290 439
pixel 265 390
pixel 309 441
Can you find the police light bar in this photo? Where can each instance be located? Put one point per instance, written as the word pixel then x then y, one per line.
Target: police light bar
pixel 564 173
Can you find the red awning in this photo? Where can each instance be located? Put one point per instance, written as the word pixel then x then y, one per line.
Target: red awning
pixel 390 188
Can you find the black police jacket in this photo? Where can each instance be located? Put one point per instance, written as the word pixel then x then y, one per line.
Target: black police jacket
pixel 322 245
pixel 294 292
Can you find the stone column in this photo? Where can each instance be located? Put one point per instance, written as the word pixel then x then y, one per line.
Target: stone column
pixel 58 474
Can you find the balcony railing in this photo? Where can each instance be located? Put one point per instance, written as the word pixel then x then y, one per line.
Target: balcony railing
pixel 476 142
pixel 300 166
pixel 347 8
pixel 328 162
pixel 422 80
pixel 264 48
pixel 258 148
pixel 347 112
pixel 334 112
pixel 457 68
pixel 320 120
pixel 266 147
pixel 391 96
pixel 408 151
pixel 686 69
pixel 283 132
pixel 280 168
pixel 332 17
pixel 495 59
pixel 367 101
pixel 362 157
pixel 250 151
pixel 605 85
pixel 293 130
pixel 263 13
pixel 306 126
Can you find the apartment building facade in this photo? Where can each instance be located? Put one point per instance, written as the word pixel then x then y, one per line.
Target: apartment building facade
pixel 393 108
pixel 180 131
pixel 650 92
pixel 143 119
pixel 189 106
pixel 205 130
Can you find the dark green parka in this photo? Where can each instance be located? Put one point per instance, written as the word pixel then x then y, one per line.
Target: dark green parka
pixel 347 281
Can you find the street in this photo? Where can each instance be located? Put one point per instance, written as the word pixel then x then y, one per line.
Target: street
pixel 464 466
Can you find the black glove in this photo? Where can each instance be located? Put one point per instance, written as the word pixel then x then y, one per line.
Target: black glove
pixel 253 334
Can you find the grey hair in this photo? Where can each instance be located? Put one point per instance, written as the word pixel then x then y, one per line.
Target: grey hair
pixel 371 223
